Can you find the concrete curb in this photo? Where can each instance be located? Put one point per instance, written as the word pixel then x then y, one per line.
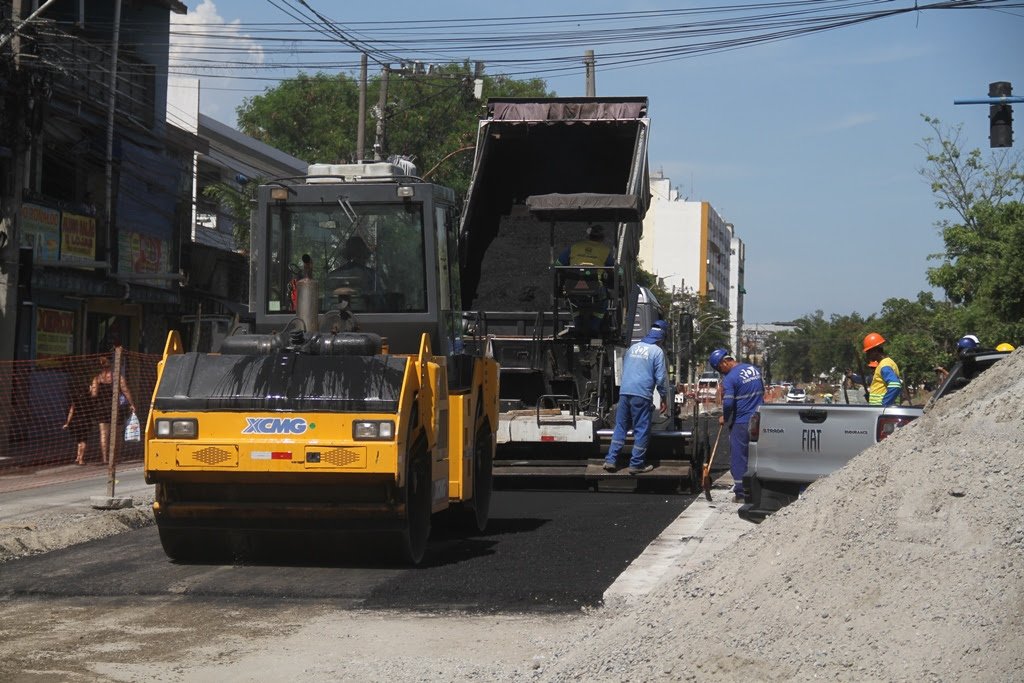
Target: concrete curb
pixel 701 530
pixel 110 502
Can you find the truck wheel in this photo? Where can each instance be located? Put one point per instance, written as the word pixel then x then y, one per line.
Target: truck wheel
pixel 411 540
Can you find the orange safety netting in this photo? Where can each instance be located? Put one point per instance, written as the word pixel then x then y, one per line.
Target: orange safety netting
pixel 49 406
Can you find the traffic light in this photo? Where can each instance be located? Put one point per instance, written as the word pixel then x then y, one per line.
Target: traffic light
pixel 686 330
pixel 1000 116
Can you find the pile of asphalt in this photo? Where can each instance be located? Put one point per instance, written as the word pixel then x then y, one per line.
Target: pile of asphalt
pixel 904 565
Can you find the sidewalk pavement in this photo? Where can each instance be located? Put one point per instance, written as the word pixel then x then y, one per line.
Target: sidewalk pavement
pixel 25 495
pixel 19 480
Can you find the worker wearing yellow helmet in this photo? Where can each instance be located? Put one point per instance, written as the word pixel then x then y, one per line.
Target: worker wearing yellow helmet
pixel 1004 347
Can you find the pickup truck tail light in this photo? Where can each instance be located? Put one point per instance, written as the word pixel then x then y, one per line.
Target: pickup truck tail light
pixel 887 424
pixel 754 426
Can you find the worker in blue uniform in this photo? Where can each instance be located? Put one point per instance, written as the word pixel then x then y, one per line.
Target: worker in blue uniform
pixel 643 373
pixel 742 393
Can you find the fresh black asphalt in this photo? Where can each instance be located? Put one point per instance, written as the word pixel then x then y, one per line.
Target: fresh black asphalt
pixel 546 549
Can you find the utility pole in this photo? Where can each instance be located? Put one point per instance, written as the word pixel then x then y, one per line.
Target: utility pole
pixel 361 132
pixel 10 196
pixel 111 107
pixel 16 15
pixel 588 61
pixel 382 103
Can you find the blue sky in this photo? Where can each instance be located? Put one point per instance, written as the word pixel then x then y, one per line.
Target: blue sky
pixel 809 146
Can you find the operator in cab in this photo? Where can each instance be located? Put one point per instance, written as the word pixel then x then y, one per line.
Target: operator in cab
pixel 357 275
pixel 591 251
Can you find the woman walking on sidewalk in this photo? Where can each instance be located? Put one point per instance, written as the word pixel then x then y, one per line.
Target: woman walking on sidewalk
pixel 102 390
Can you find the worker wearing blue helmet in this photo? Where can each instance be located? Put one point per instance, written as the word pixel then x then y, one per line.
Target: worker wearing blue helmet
pixel 742 393
pixel 643 373
pixel 967 344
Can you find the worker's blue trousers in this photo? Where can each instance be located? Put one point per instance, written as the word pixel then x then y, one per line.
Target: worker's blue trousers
pixel 739 445
pixel 635 412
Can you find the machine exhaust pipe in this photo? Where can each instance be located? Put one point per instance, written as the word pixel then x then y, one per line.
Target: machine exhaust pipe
pixel 308 304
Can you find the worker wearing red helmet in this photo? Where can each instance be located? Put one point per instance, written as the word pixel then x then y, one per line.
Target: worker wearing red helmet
pixel 887 383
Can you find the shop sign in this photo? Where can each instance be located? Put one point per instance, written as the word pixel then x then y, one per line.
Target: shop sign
pixel 40 229
pixel 140 253
pixel 77 237
pixel 55 332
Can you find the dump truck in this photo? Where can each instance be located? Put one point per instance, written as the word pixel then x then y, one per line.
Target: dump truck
pixel 351 405
pixel 545 170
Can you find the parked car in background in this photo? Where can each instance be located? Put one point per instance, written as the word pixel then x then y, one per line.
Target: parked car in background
pixel 796 395
pixel 707 386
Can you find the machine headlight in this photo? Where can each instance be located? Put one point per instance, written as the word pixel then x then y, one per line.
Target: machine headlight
pixel 377 429
pixel 177 429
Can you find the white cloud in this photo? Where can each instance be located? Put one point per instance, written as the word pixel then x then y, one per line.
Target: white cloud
pixel 202 34
pixel 202 44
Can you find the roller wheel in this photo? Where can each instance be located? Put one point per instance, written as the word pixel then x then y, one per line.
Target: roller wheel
pixel 478 510
pixel 191 545
pixel 411 539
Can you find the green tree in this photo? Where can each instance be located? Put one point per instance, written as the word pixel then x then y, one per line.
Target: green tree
pixel 235 202
pixel 431 118
pixel 982 268
pixel 919 335
pixel 310 117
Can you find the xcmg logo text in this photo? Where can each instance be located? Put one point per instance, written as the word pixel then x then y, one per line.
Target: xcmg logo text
pixel 275 425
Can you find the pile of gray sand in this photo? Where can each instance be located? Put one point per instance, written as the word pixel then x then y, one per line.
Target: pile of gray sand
pixel 906 565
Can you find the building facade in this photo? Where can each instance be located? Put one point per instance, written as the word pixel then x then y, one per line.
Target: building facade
pixel 690 246
pixel 737 292
pixel 90 179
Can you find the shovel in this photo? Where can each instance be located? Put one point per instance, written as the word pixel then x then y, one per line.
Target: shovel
pixel 706 479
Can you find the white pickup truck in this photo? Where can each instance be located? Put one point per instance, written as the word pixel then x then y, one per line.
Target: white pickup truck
pixel 793 445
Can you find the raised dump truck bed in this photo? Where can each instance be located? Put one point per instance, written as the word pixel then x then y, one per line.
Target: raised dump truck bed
pixel 545 170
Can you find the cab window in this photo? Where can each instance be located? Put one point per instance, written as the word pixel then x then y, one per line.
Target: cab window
pixel 375 259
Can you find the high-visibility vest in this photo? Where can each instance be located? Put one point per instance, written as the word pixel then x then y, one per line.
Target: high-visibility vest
pixel 589 253
pixel 879 387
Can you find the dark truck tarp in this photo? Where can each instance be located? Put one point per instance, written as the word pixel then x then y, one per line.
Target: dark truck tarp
pixel 586 206
pixel 567 109
pixel 564 159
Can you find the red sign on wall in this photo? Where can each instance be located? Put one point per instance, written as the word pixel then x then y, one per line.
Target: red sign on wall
pixel 55 332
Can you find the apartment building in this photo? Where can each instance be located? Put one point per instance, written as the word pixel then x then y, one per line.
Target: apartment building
pixel 689 245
